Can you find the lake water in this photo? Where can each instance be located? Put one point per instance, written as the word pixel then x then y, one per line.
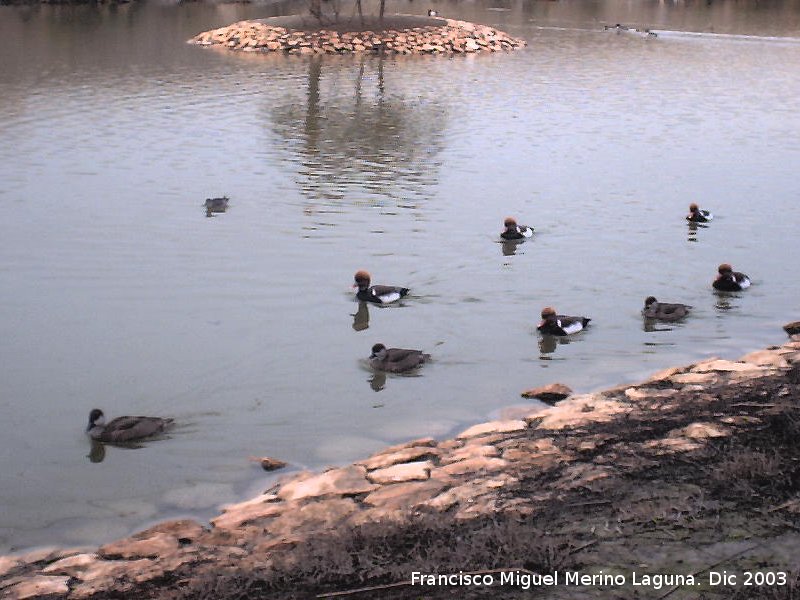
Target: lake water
pixel 116 290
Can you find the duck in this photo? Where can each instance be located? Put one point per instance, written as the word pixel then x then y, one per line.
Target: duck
pixel 433 13
pixel 515 232
pixel 663 311
pixel 217 204
pixel 124 429
pixel 729 280
pixel 379 294
pixel 396 360
pixel 553 324
pixel 698 215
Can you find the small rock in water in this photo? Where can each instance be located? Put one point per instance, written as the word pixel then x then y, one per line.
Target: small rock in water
pixel 792 328
pixel 269 464
pixel 548 393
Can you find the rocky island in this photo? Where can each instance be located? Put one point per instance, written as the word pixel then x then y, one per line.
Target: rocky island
pixel 393 34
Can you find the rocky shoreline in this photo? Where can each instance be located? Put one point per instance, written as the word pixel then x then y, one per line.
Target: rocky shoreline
pixel 398 34
pixel 705 457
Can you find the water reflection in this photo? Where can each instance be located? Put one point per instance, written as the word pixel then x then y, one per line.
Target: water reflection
pixel 378 381
pixel 650 325
pixel 350 131
pixel 361 317
pixel 725 300
pixel 693 227
pixel 97 453
pixel 549 343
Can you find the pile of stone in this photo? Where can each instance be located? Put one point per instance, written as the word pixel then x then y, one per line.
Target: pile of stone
pixel 453 37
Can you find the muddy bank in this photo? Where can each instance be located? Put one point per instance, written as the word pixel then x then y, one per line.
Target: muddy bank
pixel 394 34
pixel 660 486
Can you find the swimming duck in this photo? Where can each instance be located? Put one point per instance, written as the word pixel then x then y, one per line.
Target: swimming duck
pixel 663 311
pixel 515 232
pixel 124 429
pixel 432 13
pixel 729 280
pixel 396 360
pixel 379 294
pixel 553 324
pixel 217 204
pixel 697 215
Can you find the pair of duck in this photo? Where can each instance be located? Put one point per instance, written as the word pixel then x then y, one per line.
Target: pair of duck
pixel 392 360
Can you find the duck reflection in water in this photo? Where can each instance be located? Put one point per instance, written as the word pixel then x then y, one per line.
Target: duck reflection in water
pixel 378 381
pixel 510 247
pixel 216 205
pixel 549 343
pixel 693 227
pixel 361 317
pixel 97 453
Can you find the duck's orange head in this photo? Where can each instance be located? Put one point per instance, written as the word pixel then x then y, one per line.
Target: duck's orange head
pixel 724 268
pixel 510 222
pixel 693 207
pixel 548 311
pixel 362 279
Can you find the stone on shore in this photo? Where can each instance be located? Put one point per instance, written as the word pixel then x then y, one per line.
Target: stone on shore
pixel 551 393
pixel 792 328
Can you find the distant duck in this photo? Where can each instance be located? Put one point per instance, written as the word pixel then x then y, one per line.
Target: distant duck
pixel 697 215
pixel 124 429
pixel 432 13
pixel 662 311
pixel 396 360
pixel 217 205
pixel 729 280
pixel 647 33
pixel 379 294
pixel 553 324
pixel 513 231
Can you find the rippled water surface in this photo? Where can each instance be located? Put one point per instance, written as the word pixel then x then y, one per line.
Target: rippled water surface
pixel 117 291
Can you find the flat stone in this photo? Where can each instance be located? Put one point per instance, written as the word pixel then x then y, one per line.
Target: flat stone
pixel 184 530
pixel 666 373
pixel 581 410
pixel 72 565
pixel 401 455
pixel 8 564
pixel 722 365
pixel 157 545
pixel 246 512
pixel 40 555
pixel 493 427
pixel 637 393
pixel 321 515
pixel 473 465
pixel 694 378
pixel 413 471
pixel 549 393
pixel 38 586
pixel 700 431
pixel 405 495
pixel 347 481
pixel 470 451
pixel 766 358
